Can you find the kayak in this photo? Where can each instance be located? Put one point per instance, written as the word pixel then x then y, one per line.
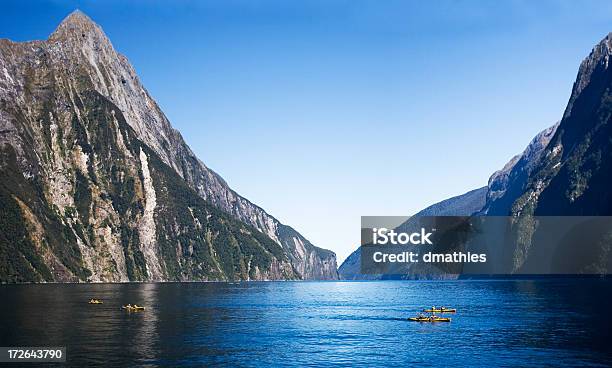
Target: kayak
pixel 133 308
pixel 443 310
pixel 429 319
pixel 95 301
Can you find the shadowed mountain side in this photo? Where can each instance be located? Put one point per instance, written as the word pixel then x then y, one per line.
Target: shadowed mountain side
pixel 462 205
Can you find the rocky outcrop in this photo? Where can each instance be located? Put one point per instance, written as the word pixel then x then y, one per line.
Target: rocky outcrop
pixel 100 187
pixel 514 174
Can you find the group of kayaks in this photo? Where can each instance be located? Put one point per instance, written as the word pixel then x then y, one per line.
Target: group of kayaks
pixel 133 308
pixel 432 317
pixel 128 307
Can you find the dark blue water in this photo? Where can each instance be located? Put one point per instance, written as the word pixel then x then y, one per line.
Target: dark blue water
pixel 499 323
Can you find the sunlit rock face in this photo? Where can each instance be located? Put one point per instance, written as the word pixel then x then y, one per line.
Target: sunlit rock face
pixel 96 185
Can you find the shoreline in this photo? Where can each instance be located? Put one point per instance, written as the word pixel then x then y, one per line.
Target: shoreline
pixel 461 279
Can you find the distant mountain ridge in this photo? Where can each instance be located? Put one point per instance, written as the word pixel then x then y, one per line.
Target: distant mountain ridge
pixel 108 190
pixel 474 202
pixel 462 205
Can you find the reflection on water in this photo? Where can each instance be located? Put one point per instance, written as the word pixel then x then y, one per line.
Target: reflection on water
pixel 499 323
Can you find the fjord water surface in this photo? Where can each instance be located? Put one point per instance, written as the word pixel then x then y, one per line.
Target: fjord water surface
pixel 499 323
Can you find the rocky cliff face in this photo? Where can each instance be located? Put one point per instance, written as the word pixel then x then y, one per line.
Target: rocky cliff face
pixel 571 175
pixel 509 181
pixel 98 186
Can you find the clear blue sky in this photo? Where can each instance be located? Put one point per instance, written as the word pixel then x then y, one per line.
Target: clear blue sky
pixel 323 111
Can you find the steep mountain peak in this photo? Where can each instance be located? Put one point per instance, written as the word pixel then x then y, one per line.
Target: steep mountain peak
pixel 90 125
pixel 81 46
pixel 77 19
pixel 77 16
pixel 77 25
pixel 598 58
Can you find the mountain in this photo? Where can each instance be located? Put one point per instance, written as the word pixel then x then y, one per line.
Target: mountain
pixel 572 175
pixel 462 205
pixel 514 174
pixel 477 202
pixel 566 170
pixel 97 185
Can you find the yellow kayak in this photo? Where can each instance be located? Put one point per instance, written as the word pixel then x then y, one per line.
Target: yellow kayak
pixel 429 319
pixel 95 301
pixel 440 310
pixel 133 308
